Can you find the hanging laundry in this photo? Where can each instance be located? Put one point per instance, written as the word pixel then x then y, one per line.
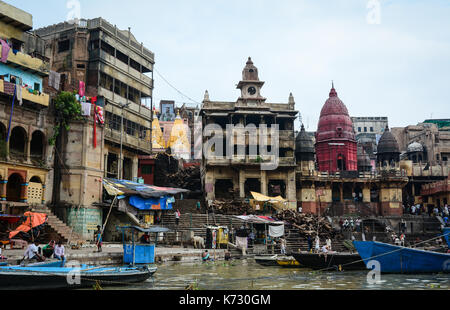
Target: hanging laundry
pixel 5 51
pixel 99 114
pixel 86 109
pixel 54 80
pixel 19 93
pixel 82 89
pixel 94 100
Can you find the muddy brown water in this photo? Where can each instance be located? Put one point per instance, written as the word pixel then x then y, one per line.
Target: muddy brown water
pixel 248 275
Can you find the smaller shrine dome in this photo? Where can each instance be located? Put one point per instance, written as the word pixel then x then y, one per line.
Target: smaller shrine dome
pixel 388 144
pixel 304 143
pixel 415 147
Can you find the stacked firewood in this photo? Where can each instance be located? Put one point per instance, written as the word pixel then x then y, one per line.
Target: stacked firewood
pixel 188 178
pixel 231 207
pixel 307 224
pixel 165 165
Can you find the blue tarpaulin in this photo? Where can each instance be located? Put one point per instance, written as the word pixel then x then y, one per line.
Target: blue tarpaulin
pixel 162 203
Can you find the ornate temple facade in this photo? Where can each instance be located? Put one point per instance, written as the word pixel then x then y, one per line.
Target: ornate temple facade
pixel 233 167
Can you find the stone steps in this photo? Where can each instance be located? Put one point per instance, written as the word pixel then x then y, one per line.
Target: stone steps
pixel 61 228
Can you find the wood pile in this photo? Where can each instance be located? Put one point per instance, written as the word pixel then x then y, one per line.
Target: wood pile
pixel 188 178
pixel 164 166
pixel 231 207
pixel 307 224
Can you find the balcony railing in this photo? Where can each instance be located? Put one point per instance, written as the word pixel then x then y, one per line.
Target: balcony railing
pixel 8 88
pixel 29 63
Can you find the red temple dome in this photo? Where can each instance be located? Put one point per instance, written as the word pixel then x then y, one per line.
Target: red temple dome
pixel 335 121
pixel 336 145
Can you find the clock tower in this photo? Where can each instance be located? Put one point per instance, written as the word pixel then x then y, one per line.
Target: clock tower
pixel 250 85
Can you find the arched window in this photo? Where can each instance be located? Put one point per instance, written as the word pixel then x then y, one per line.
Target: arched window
pixel 13 188
pixel 341 164
pixel 17 142
pixel 37 145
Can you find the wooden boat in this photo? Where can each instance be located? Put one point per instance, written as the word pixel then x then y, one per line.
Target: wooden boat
pixel 289 263
pixel 331 261
pixel 33 278
pixel 272 260
pixel 397 259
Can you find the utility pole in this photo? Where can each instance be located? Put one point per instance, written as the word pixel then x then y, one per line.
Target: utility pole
pixel 120 165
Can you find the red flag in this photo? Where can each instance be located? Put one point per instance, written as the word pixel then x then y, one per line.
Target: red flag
pixel 95 126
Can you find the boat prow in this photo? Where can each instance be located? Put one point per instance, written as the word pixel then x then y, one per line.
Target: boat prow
pixel 396 259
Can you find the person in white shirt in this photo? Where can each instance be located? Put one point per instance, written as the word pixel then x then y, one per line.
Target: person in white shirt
pixel 59 251
pixel 32 252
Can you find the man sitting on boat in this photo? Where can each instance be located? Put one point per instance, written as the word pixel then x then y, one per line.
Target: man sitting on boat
pixel 49 249
pixel 59 251
pixel 32 253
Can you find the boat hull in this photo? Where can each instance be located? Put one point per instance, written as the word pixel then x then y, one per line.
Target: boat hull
pixel 396 259
pixel 330 262
pixel 272 260
pixel 19 278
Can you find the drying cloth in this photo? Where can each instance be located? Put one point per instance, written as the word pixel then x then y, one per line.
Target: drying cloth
pixel 5 51
pixel 54 80
pixel 99 114
pixel 86 109
pixel 82 89
pixel 19 94
pixel 241 242
pixel 276 231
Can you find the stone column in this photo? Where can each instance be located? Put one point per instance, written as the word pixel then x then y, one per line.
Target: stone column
pixel 135 168
pixel 43 193
pixel 264 183
pixel 291 190
pixel 24 192
pixel 341 189
pixel 241 183
pixel 4 184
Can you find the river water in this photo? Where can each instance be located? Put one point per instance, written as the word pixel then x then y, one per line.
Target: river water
pixel 248 275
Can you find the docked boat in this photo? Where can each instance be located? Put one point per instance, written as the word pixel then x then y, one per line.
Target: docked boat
pixel 397 259
pixel 289 263
pixel 272 260
pixel 330 261
pixel 33 278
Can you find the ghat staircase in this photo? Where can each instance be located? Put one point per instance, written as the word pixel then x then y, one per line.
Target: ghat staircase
pixel 196 223
pixel 58 227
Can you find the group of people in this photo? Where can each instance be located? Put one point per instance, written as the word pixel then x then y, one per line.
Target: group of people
pixel 350 225
pixel 34 253
pixel 419 209
pixel 327 247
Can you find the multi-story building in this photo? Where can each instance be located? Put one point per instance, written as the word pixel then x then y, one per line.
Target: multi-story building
pixel 95 59
pixel 368 132
pixel 235 165
pixel 26 159
pixel 117 69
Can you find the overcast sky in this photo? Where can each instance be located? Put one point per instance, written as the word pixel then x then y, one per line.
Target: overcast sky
pixel 394 64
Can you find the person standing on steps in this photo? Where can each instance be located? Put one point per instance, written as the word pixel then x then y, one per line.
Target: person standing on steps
pixel 177 217
pixel 98 238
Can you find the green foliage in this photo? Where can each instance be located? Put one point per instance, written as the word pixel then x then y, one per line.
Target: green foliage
pixel 67 109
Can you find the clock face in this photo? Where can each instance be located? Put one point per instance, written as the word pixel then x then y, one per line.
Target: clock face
pixel 252 90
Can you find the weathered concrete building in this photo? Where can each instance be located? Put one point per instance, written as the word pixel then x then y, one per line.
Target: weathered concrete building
pixel 95 59
pixel 233 164
pixel 115 67
pixel 26 159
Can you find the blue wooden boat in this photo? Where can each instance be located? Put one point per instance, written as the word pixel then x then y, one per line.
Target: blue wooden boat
pixel 397 259
pixel 38 278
